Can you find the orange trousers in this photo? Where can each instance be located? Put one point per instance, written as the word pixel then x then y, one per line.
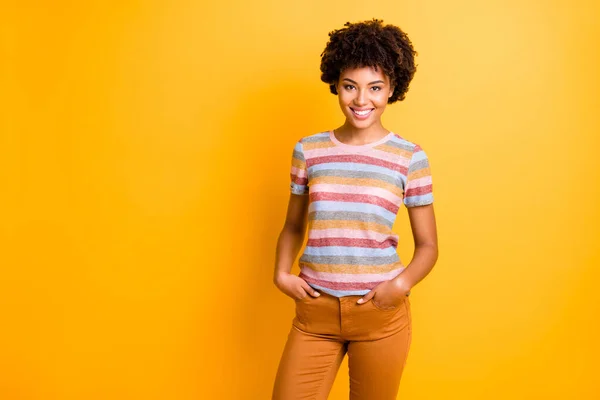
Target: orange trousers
pixel 324 329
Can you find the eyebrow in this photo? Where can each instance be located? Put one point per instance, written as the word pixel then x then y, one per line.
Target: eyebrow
pixel 370 83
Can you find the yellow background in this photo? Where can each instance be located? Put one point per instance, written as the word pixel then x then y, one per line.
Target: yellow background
pixel 144 173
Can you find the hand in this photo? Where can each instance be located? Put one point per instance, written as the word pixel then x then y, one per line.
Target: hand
pixel 294 286
pixel 389 294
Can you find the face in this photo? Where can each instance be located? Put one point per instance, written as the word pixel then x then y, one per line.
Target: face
pixel 363 94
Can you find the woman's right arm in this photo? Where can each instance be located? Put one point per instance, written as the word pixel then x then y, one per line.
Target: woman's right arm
pixel 289 244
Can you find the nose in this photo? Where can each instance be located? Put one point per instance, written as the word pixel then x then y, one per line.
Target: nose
pixel 361 98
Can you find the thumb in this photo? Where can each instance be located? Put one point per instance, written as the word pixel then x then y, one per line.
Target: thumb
pixel 311 291
pixel 366 297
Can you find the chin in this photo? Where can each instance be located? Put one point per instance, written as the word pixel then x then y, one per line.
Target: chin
pixel 361 125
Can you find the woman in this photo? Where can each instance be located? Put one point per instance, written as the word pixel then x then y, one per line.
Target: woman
pixel 347 185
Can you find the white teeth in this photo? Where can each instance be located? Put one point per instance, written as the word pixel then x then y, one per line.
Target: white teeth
pixel 362 112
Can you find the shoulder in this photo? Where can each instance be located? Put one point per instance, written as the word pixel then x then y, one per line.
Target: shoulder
pixel 405 144
pixel 310 142
pixel 314 137
pixel 412 151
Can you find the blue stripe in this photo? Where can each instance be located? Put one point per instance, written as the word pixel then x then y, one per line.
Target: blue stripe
pixel 339 293
pixel 349 251
pixel 419 200
pixel 298 189
pixel 419 156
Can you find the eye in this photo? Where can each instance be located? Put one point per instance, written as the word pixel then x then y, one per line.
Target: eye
pixel 348 86
pixel 376 87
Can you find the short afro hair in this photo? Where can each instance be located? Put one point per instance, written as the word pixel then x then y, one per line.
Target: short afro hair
pixel 370 44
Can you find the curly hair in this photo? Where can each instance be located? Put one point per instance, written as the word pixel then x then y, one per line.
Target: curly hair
pixel 370 44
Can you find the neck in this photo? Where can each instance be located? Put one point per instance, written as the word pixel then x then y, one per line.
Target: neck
pixel 358 136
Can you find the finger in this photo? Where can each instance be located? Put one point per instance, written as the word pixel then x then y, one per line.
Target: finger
pixel 299 294
pixel 366 297
pixel 310 290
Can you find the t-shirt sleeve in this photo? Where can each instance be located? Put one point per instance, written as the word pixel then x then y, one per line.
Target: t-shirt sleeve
pixel 298 172
pixel 418 189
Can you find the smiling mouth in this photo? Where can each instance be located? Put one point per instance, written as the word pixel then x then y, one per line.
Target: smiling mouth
pixel 362 113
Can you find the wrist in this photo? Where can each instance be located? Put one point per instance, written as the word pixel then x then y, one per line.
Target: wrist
pixel 279 276
pixel 403 284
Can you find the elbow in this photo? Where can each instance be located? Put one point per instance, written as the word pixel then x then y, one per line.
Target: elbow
pixel 430 247
pixel 294 228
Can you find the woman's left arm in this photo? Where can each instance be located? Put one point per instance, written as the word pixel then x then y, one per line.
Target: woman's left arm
pixel 423 226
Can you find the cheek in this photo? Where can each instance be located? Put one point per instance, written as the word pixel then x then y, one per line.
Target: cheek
pixel 344 98
pixel 343 102
pixel 382 100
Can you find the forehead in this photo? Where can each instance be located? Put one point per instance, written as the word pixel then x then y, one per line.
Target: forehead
pixel 366 74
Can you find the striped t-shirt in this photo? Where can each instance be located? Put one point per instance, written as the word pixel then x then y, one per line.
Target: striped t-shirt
pixel 355 192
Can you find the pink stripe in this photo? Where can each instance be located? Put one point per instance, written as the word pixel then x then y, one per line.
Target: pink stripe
pixel 349 233
pixel 399 164
pixel 353 189
pixel 299 172
pixel 356 198
pixel 341 285
pixel 419 191
pixel 332 277
pixel 351 242
pixel 335 151
pixel 299 181
pixel 424 181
